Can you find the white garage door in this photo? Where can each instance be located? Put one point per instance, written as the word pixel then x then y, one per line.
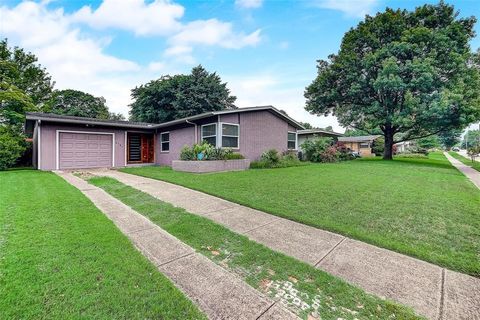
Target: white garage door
pixel 84 150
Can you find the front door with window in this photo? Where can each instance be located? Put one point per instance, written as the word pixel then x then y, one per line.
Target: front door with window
pixel 140 147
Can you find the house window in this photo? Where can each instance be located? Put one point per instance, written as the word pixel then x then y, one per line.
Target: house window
pixel 292 141
pixel 209 133
pixel 364 145
pixel 230 135
pixel 165 141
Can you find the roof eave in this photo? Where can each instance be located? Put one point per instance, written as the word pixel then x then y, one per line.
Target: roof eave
pixel 86 122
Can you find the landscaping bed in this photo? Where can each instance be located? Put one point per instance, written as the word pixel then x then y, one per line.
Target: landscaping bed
pixel 61 258
pixel 420 207
pixel 210 166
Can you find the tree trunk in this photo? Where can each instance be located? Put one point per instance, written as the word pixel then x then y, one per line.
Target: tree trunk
pixel 388 150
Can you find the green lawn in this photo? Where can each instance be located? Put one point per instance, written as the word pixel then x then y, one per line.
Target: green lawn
pixel 61 258
pixel 258 265
pixel 421 207
pixel 475 165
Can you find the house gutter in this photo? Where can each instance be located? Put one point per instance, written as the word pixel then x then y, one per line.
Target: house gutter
pixel 196 131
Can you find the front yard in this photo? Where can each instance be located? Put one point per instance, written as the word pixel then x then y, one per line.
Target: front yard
pixel 61 258
pixel 421 207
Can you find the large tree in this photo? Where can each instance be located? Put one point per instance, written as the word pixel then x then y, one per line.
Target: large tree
pixel 178 96
pixel 409 74
pixel 21 70
pixel 77 103
pixel 24 86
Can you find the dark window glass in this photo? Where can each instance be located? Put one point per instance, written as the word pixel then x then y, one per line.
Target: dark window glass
pixel 210 130
pixel 134 147
pixel 292 140
pixel 230 142
pixel 211 140
pixel 229 130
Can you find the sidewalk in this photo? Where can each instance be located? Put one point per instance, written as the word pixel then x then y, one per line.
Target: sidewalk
pixel 465 154
pixel 217 292
pixel 471 173
pixel 432 291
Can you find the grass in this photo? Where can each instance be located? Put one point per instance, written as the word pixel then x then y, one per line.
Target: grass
pixel 420 207
pixel 61 258
pixel 264 269
pixel 474 164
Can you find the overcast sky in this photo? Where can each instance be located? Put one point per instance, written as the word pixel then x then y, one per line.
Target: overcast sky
pixel 265 50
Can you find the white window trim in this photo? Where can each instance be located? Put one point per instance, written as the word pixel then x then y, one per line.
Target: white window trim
pixel 216 132
pixel 227 135
pixel 161 142
pixel 57 144
pixel 296 140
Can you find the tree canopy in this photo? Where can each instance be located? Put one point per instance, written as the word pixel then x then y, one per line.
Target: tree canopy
pixel 178 96
pixel 81 104
pixel 471 138
pixel 408 73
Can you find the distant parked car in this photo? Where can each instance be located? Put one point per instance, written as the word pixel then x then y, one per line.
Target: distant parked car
pixel 355 154
pixel 456 149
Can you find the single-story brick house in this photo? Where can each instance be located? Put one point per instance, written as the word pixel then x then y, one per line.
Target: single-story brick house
pixel 361 144
pixel 66 142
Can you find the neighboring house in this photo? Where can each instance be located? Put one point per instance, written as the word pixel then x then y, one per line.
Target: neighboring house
pixel 405 146
pixel 361 144
pixel 309 134
pixel 66 142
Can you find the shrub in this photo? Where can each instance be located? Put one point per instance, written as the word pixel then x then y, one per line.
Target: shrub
pixel 329 155
pixel 379 146
pixel 271 159
pixel 344 153
pixel 259 165
pixel 12 145
pixel 314 148
pixel 187 154
pixel 206 151
pixel 270 156
pixel 234 156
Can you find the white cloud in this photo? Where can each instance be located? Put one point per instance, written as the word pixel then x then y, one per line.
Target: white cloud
pixel 159 17
pixel 72 59
pixel 78 60
pixel 249 4
pixel 351 8
pixel 213 32
pixel 156 66
pixel 178 50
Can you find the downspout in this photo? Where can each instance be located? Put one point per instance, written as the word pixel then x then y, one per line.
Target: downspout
pixel 196 130
pixel 39 145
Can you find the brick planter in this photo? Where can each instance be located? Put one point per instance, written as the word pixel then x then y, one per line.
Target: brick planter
pixel 210 166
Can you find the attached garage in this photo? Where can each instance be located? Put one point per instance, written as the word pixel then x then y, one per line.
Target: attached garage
pixel 76 150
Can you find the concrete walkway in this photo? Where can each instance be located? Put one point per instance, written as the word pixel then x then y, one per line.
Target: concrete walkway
pixel 432 291
pixel 471 173
pixel 218 293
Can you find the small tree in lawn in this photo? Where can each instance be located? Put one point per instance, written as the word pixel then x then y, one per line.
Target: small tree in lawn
pixel 409 74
